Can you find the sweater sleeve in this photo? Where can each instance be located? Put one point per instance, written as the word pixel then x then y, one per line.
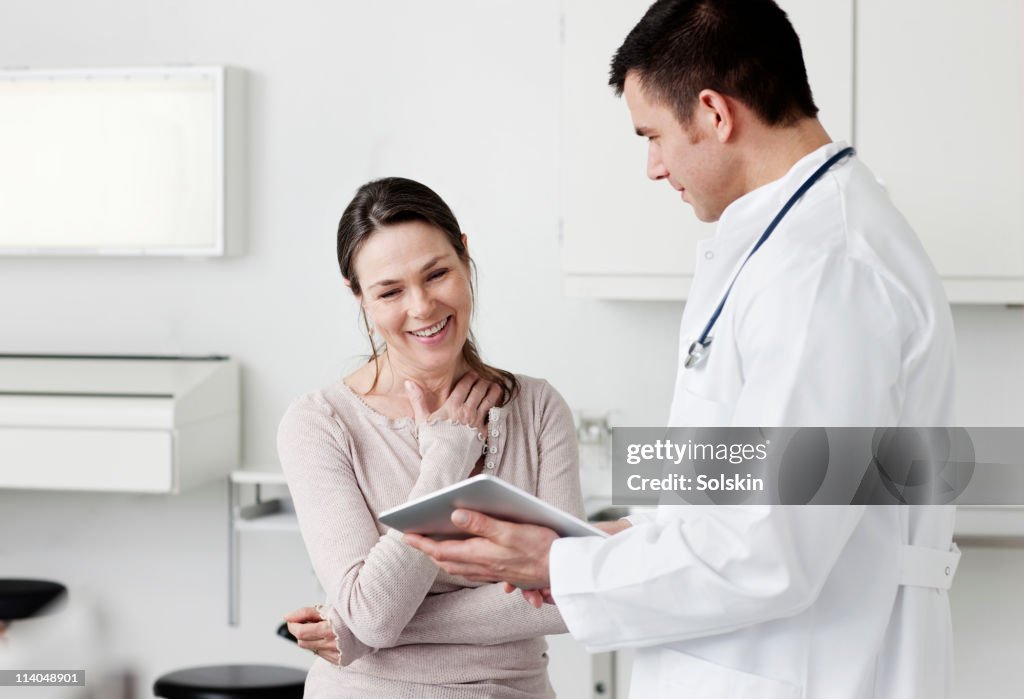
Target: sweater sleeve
pixel 487 615
pixel 359 568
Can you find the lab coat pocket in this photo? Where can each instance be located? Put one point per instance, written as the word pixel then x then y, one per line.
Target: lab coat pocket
pixel 683 675
pixel 690 409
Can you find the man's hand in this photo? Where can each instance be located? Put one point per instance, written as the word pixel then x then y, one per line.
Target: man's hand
pixel 615 527
pixel 500 551
pixel 542 596
pixel 313 633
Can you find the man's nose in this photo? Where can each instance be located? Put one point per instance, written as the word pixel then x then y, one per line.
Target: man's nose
pixel 656 169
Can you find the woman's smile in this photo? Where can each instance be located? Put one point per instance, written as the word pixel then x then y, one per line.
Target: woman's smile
pixel 432 334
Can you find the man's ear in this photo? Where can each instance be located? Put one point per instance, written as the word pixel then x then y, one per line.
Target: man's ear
pixel 716 114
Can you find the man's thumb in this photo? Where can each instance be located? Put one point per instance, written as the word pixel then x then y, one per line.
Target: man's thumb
pixel 474 523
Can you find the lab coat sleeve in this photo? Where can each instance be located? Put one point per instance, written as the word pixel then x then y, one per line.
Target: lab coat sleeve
pixel 720 569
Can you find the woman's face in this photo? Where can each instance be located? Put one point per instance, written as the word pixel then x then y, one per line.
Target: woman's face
pixel 416 294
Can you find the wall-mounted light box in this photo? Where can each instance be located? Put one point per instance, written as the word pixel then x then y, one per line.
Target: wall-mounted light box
pixel 120 161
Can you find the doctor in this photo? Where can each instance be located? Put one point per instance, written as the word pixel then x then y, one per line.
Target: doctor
pixel 836 318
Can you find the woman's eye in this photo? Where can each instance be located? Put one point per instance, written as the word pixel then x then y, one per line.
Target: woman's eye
pixel 437 274
pixel 389 294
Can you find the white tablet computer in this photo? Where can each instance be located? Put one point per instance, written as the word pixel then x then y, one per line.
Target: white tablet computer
pixel 431 514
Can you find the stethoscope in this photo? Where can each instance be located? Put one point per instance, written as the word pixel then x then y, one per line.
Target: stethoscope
pixel 701 346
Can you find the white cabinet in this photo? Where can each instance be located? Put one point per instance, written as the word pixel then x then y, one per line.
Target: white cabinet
pixel 940 105
pixel 930 93
pixel 144 425
pixel 624 236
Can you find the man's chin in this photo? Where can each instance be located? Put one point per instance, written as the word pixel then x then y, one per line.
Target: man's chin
pixel 706 216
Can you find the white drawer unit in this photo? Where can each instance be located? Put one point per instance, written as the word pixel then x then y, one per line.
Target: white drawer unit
pixel 119 424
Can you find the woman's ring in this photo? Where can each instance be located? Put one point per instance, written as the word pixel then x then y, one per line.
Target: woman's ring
pixel 316 652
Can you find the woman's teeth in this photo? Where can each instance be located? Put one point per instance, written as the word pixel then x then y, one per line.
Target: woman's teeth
pixel 431 331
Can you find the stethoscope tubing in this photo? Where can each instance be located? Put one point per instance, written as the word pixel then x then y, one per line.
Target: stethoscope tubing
pixel 698 350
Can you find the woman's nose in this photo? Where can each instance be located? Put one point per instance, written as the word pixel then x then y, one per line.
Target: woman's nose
pixel 421 304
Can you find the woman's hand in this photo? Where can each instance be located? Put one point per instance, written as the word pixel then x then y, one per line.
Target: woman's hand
pixel 314 633
pixel 467 404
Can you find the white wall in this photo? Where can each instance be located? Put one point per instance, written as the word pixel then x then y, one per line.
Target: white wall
pixel 461 94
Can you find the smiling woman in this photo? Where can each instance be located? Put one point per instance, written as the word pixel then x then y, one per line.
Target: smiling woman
pixel 423 413
pixel 403 254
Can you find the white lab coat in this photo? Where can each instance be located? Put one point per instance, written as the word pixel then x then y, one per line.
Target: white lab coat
pixel 839 319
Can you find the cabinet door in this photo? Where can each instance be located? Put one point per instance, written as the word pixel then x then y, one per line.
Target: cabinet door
pixel 940 104
pixel 624 236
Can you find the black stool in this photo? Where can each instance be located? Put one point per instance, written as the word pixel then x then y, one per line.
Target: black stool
pixel 21 599
pixel 232 682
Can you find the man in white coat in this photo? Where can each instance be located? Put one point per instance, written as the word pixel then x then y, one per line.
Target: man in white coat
pixel 838 319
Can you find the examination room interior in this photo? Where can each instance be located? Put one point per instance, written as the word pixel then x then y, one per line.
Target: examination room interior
pixel 467 97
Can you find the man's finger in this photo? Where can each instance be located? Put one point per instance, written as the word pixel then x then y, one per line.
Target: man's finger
pixel 534 597
pixel 422 543
pixel 470 571
pixel 480 524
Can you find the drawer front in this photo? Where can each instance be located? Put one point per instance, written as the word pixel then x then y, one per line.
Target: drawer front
pixel 139 461
pixel 89 412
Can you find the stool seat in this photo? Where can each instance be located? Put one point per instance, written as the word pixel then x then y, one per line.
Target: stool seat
pixel 21 599
pixel 231 682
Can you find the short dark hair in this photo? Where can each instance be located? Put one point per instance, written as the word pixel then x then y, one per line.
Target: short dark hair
pixel 745 49
pixel 390 201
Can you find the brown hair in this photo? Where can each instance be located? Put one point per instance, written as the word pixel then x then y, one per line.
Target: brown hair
pixel 746 49
pixel 394 200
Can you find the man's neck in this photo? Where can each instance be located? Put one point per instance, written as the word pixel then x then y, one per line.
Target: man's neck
pixel 777 150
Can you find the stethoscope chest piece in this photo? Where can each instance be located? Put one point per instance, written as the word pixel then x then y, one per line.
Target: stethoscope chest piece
pixel 697 353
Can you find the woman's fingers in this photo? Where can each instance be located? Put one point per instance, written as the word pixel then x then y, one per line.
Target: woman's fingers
pixel 418 401
pixel 490 400
pixel 462 388
pixel 467 404
pixel 477 394
pixel 303 614
pixel 310 632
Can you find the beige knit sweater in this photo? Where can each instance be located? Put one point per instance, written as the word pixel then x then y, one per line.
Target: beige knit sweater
pixel 405 628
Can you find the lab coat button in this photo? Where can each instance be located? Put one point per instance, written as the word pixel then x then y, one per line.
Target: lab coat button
pixel 494 433
pixel 489 464
pixel 493 450
pixel 709 255
pixel 949 571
